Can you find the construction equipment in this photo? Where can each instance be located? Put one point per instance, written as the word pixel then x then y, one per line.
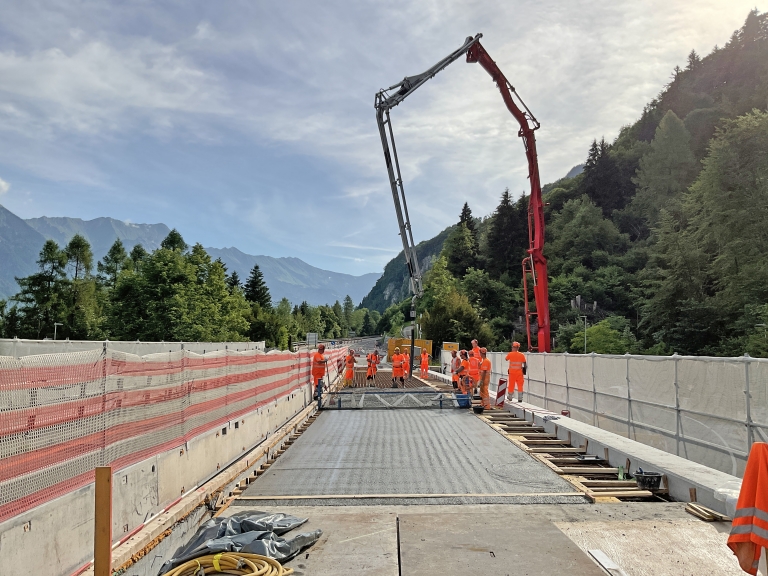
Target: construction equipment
pixel 534 264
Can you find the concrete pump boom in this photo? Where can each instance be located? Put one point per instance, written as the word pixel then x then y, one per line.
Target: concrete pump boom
pixel 535 264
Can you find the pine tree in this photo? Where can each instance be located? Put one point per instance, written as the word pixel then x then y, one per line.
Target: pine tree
pixel 138 255
pixel 174 241
pixel 466 218
pixel 115 260
pixel 507 237
pixel 79 256
pixel 349 307
pixel 256 289
pixel 460 251
pixel 666 171
pixel 233 281
pixel 693 60
pixel 368 327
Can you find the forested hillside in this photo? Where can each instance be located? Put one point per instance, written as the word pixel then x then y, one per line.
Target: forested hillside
pixel 660 242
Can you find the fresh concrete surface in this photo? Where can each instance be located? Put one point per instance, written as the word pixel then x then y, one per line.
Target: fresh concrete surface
pixel 525 540
pixel 407 452
pixel 681 473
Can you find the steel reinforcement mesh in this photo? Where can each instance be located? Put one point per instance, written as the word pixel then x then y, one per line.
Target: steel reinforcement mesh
pixel 375 398
pixel 62 415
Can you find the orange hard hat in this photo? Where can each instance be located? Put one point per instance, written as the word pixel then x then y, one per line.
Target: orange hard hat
pixel 515 344
pixel 483 350
pixel 397 348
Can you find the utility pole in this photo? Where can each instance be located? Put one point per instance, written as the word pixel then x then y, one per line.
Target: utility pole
pixel 585 333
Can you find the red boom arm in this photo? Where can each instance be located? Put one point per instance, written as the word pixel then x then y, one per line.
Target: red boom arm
pixel 535 264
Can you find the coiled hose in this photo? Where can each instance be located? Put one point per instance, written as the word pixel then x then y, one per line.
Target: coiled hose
pixel 231 563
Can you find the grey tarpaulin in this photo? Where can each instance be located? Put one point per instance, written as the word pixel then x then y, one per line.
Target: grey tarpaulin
pixel 249 532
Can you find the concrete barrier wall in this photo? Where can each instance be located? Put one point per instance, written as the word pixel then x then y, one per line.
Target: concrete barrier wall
pixel 165 422
pixel 705 409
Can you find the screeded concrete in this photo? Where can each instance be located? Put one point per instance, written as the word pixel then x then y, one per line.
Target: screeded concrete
pixel 406 452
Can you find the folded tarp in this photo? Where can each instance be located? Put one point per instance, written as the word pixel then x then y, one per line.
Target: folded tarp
pixel 249 532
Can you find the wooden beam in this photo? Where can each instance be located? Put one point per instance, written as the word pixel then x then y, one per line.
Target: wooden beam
pixel 588 470
pixel 102 531
pixel 625 494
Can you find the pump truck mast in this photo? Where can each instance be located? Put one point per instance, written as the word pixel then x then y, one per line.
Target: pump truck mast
pixel 534 265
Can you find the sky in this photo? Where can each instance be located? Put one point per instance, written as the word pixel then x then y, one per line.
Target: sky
pixel 251 124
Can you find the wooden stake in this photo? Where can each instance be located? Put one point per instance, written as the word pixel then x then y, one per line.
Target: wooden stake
pixel 102 533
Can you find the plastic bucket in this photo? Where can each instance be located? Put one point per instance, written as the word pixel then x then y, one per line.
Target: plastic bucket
pixel 463 400
pixel 648 480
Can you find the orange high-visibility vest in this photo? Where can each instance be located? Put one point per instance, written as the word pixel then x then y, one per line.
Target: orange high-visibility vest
pixel 318 365
pixel 516 361
pixel 475 352
pixel 350 361
pixel 749 530
pixel 474 367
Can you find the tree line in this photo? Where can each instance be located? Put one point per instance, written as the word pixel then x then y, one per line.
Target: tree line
pixel 174 293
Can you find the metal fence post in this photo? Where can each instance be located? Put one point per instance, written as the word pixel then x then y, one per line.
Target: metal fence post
pixel 546 397
pixel 594 393
pixel 567 388
pixel 678 422
pixel 629 403
pixel 749 404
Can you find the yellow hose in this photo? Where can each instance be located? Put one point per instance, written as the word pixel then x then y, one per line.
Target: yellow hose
pixel 232 563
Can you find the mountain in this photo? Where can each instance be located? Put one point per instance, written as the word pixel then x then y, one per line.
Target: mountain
pixel 575 171
pixel 21 240
pixel 101 233
pixel 295 279
pixel 393 286
pixel 19 247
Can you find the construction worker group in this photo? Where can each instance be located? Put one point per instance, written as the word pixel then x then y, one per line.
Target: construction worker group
pixel 401 366
pixel 471 371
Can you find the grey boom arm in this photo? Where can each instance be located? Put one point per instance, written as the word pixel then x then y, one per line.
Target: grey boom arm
pixel 386 99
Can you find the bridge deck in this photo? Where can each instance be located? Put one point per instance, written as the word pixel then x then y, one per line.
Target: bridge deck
pixel 406 456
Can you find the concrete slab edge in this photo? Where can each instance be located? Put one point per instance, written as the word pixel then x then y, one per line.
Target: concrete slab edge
pixel 682 474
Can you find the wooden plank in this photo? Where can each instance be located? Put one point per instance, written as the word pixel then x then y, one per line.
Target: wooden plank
pixel 611 483
pixel 557 450
pixel 608 565
pixel 625 494
pixel 102 535
pixel 589 470
pixel 542 442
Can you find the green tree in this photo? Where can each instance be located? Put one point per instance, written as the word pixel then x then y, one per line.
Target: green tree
pixel 460 251
pixel 368 328
pixel 453 319
pixel 507 237
pixel 43 295
pixel 115 260
pixel 233 281
pixel 465 217
pixel 666 171
pixel 79 256
pixel 349 308
pixel 610 336
pixel 174 241
pixel 138 255
pixel 256 289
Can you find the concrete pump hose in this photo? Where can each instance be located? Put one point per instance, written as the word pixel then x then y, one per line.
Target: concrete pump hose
pixel 231 563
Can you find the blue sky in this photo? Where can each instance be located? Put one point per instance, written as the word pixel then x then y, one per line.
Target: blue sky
pixel 251 124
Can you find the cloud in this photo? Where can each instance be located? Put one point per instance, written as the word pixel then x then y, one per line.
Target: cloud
pixel 85 89
pixel 4 186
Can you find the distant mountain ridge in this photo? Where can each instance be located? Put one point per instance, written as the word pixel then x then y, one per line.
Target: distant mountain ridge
pixel 296 280
pixel 292 278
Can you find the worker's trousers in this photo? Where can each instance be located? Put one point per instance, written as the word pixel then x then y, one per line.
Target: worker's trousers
pixel 485 397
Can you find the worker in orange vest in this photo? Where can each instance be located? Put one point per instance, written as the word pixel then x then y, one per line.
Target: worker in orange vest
pixel 372 359
pixel 398 360
pixel 465 381
pixel 455 364
pixel 474 369
pixel 319 367
pixel 349 368
pixel 749 530
pixel 485 379
pixel 475 350
pixel 407 363
pixel 516 371
pixel 425 356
